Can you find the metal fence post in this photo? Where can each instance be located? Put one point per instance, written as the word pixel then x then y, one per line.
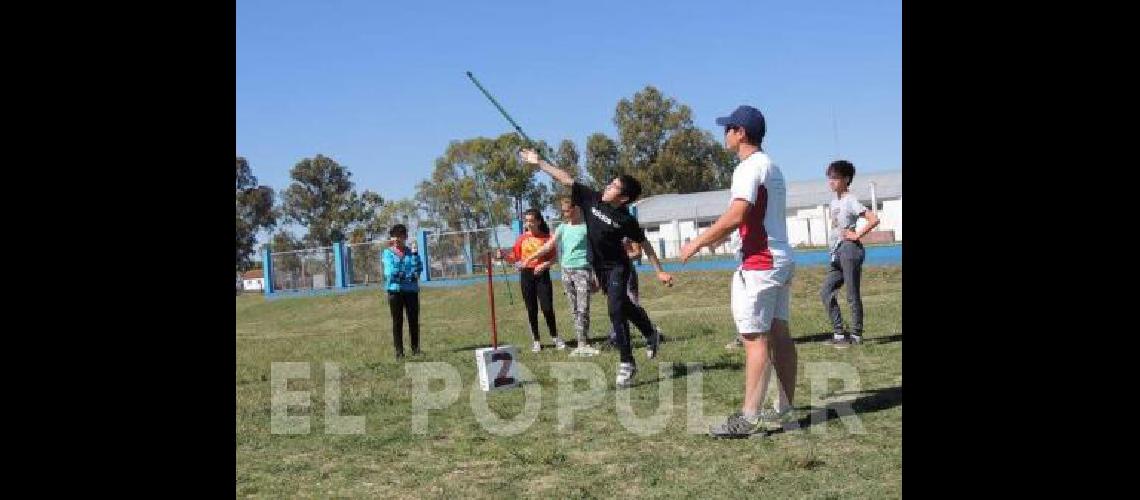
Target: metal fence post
pixel 425 275
pixel 338 263
pixel 267 269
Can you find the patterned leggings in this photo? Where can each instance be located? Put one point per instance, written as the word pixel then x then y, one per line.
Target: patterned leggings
pixel 577 284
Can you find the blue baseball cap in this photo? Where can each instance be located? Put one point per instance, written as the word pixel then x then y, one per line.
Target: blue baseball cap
pixel 748 117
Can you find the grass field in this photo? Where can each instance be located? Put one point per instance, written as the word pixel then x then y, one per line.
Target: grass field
pixel 598 457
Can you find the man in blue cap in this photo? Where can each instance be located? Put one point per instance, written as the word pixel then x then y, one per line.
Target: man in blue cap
pixel 761 286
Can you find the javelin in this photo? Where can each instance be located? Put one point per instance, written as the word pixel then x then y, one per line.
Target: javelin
pixel 507 116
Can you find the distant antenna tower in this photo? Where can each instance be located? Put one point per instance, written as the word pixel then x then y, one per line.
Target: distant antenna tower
pixel 835 129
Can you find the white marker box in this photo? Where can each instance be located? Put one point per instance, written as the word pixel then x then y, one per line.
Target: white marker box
pixel 497 369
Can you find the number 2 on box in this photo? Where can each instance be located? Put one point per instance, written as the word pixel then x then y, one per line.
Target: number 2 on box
pixel 502 378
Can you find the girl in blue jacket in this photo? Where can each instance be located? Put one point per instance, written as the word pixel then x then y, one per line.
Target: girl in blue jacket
pixel 402 267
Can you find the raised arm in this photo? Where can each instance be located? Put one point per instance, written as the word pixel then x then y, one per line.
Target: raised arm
pixel 530 156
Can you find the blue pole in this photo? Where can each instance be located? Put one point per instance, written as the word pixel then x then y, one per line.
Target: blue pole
pixel 425 275
pixel 267 269
pixel 338 263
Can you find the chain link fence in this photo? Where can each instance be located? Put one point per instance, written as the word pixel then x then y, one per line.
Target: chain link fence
pixel 364 264
pixel 462 254
pixel 449 255
pixel 308 269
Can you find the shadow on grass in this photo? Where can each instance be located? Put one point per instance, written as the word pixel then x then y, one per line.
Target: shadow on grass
pixel 681 370
pixel 815 337
pixel 872 401
pixel 547 344
pixel 823 337
pixel 884 340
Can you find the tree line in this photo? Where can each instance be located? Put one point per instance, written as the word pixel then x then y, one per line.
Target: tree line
pixel 477 179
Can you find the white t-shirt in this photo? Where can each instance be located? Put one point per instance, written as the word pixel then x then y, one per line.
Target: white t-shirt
pixel 764 232
pixel 845 212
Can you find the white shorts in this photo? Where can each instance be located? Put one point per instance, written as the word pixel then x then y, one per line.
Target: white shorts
pixel 760 296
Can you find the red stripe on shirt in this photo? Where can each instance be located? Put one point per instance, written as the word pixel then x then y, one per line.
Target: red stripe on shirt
pixel 753 237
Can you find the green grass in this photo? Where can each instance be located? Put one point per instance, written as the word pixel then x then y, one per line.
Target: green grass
pixel 598 458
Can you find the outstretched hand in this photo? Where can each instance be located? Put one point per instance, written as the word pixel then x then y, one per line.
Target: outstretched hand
pixel 688 251
pixel 529 156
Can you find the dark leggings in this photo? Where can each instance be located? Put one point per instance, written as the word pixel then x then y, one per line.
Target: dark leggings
pixel 621 308
pixel 398 303
pixel 537 291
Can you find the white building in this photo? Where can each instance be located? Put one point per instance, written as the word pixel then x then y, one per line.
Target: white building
pixel 671 220
pixel 253 280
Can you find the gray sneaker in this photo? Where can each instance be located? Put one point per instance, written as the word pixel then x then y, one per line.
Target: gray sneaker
pixel 771 416
pixel 735 427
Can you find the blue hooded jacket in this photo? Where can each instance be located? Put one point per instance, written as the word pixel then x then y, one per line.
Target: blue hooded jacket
pixel 402 274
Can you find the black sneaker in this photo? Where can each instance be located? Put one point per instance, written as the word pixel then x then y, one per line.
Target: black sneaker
pixel 735 427
pixel 653 344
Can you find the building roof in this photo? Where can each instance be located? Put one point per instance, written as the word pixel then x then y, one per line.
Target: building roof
pixel 252 274
pixel 801 194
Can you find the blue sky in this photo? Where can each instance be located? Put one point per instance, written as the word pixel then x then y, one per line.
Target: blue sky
pixel 380 86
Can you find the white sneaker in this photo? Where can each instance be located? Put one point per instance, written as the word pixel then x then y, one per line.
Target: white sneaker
pixel 536 347
pixel 559 343
pixel 625 374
